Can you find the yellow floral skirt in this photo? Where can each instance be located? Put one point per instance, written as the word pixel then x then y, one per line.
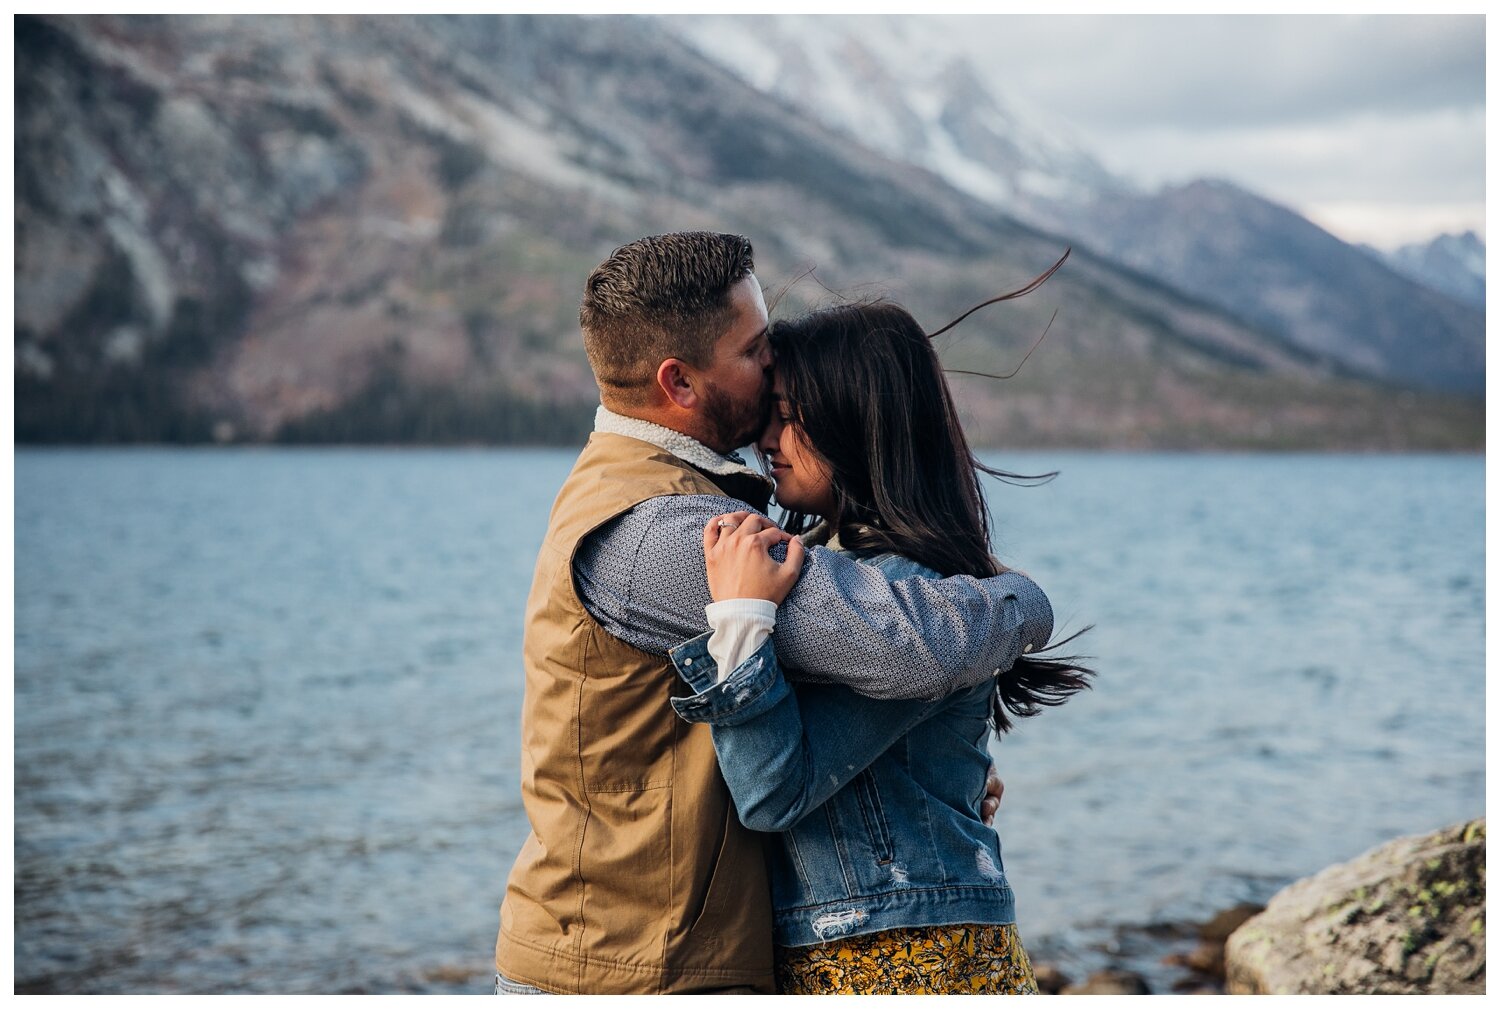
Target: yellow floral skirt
pixel 943 960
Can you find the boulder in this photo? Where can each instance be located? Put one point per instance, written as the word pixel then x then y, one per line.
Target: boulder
pixel 1404 918
pixel 1222 925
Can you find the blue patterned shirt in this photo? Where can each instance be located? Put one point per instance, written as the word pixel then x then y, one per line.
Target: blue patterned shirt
pixel 642 577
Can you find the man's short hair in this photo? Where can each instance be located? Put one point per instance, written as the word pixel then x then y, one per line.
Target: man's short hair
pixel 659 297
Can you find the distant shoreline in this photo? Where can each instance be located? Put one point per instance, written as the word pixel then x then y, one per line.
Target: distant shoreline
pixel 559 446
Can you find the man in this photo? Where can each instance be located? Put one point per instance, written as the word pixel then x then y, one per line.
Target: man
pixel 637 875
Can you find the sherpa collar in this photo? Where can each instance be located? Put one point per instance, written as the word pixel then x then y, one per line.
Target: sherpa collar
pixel 690 450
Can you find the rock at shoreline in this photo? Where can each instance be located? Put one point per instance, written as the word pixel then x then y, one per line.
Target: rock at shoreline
pixel 1207 961
pixel 1049 979
pixel 1404 918
pixel 1111 981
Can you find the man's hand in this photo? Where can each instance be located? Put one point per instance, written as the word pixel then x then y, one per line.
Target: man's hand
pixel 1001 568
pixel 994 788
pixel 736 552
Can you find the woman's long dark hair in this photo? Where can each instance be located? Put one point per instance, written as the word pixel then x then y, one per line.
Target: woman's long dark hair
pixel 865 386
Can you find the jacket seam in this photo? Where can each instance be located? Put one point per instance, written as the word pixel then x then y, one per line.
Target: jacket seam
pixel 584 958
pixel 583 821
pixel 956 888
pixel 672 841
pixel 645 786
pixel 789 837
pixel 839 851
pixel 868 799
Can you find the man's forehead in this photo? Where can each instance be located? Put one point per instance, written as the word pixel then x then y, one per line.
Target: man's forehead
pixel 751 321
pixel 749 287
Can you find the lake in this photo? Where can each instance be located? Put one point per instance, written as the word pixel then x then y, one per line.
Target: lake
pixel 267 700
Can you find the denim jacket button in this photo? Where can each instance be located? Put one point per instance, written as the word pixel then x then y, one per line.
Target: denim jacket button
pixel 687 662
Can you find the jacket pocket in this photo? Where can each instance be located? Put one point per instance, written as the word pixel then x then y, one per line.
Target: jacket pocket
pixel 714 893
pixel 729 919
pixel 623 872
pixel 877 828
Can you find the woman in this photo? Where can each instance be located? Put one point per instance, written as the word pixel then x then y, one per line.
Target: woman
pixel 884 877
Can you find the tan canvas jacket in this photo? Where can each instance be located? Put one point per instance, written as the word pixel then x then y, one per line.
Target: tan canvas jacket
pixel 637 876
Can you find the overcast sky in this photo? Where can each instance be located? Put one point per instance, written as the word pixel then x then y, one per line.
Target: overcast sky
pixel 1373 126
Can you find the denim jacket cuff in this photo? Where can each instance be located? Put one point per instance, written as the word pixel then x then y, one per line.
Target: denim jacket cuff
pixel 754 686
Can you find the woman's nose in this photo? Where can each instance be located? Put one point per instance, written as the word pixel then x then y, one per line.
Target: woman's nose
pixel 770 438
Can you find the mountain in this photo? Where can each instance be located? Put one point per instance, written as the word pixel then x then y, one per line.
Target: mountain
pixel 895 84
pixel 1452 264
pixel 349 228
pixel 1278 270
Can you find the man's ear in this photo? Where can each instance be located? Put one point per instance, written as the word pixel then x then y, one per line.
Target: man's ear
pixel 676 380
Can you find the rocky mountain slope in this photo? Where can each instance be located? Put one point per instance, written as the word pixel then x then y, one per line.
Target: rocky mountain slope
pixel 1278 270
pixel 1452 264
pixel 376 229
pixel 895 84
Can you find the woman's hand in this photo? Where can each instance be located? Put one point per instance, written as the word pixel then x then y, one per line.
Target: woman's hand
pixel 737 553
pixel 994 790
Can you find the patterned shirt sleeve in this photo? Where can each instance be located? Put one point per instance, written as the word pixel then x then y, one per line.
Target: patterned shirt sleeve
pixel 642 577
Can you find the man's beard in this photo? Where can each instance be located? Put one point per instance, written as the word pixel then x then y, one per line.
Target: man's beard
pixel 735 425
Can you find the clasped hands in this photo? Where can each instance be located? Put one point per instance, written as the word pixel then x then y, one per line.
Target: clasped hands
pixel 737 553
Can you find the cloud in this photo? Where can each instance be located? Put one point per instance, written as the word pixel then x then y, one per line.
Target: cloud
pixel 1417 157
pixel 1335 116
pixel 1216 71
pixel 1389 225
pixel 1382 179
pixel 1372 125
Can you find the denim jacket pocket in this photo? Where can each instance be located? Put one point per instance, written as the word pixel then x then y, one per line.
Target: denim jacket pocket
pixel 877 827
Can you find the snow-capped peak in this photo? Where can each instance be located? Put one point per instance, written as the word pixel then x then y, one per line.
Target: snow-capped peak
pixel 896 84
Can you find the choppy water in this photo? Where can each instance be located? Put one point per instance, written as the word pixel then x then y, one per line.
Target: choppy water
pixel 266 701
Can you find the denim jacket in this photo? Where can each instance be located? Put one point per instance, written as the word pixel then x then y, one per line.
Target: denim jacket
pixel 876 802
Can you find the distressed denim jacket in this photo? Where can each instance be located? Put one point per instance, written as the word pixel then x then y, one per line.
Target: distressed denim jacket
pixel 876 801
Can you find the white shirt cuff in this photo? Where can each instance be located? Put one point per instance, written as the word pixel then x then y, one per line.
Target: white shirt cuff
pixel 740 626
